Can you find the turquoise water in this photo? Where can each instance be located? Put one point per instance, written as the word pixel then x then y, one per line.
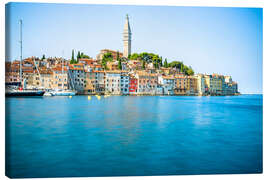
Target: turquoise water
pixel 126 136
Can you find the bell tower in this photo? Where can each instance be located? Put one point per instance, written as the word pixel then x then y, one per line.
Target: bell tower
pixel 127 38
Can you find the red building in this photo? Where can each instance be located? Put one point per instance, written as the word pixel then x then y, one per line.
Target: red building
pixel 133 85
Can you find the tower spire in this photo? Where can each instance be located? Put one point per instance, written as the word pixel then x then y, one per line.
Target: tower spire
pixel 127 38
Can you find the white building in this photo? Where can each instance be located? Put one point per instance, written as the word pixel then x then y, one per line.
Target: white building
pixel 100 81
pixel 77 77
pixel 167 83
pixel 200 84
pixel 113 82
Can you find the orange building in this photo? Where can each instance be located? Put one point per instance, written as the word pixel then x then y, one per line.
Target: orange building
pixel 147 83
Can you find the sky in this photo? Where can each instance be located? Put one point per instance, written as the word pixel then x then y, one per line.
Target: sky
pixel 219 40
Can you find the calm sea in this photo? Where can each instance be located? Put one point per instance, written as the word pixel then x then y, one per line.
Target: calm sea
pixel 126 136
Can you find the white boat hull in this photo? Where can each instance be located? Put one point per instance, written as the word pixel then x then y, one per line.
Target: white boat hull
pixel 64 93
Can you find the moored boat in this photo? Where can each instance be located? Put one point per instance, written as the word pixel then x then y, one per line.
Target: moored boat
pixel 63 93
pixel 19 88
pixel 24 92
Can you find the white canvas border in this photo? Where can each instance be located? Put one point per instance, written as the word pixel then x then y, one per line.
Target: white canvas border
pixel 220 3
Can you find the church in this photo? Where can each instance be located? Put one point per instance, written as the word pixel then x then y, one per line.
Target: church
pixel 126 43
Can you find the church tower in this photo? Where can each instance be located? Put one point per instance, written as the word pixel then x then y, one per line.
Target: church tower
pixel 127 39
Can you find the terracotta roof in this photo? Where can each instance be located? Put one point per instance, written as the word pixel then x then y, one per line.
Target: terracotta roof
pixel 143 73
pixel 167 77
pixel 58 68
pixel 99 71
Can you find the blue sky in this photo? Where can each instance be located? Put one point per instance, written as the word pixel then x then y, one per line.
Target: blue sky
pixel 212 40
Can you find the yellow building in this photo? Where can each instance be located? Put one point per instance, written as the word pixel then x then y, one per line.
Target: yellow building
pixel 90 87
pixel 213 84
pixel 59 78
pixel 185 85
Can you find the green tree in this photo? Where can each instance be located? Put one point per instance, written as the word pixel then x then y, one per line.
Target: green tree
pixel 43 57
pixel 175 64
pixel 117 56
pixel 182 67
pixel 72 61
pixel 158 62
pixel 156 65
pixel 134 56
pixel 78 56
pixel 143 64
pixel 190 71
pixel 85 56
pixel 119 60
pixel 119 64
pixel 106 57
pixel 165 63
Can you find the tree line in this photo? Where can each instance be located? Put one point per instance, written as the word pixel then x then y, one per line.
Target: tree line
pixel 158 62
pixel 79 56
pixel 144 57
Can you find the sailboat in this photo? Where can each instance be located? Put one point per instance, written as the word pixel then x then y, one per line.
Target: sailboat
pixel 20 88
pixel 63 92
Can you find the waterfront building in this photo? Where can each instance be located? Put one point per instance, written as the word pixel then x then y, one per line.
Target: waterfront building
pixel 88 77
pixel 113 82
pixel 185 85
pixel 228 79
pixel 147 83
pixel 218 84
pixel 124 83
pixel 180 85
pixel 167 83
pixel 127 38
pixel 213 84
pixel 77 77
pixel 133 85
pixel 234 88
pixel 11 77
pixel 47 78
pixel 209 84
pixel 59 78
pixel 90 87
pixel 231 88
pixel 100 81
pixel 200 84
pixel 192 85
pixel 159 90
pixel 41 79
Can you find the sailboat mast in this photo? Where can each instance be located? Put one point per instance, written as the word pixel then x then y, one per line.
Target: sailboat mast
pixel 21 51
pixel 63 71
